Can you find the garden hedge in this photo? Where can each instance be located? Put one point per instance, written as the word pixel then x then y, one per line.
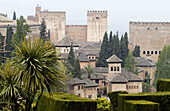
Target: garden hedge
pixel 140 105
pixel 163 85
pixel 65 102
pixel 163 98
pixel 113 96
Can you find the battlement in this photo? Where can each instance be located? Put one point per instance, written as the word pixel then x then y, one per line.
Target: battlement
pixel 76 25
pixel 149 23
pixel 97 12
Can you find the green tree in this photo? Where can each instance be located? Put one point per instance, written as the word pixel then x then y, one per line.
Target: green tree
pixel 43 32
pixel 130 64
pixel 76 69
pixel 88 70
pixel 136 51
pixel 110 44
pixel 163 64
pixel 103 104
pixel 21 31
pixel 8 46
pixel 126 43
pixel 37 68
pixel 146 87
pixel 122 50
pixel 14 16
pixel 116 47
pixel 2 57
pixel 104 52
pixel 71 57
pixel 48 35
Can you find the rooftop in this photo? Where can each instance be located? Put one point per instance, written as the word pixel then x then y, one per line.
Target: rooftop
pixel 114 59
pixel 66 41
pixel 140 61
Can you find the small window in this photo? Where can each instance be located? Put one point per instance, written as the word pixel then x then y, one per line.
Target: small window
pixel 146 73
pixel 64 50
pixel 104 83
pixel 129 87
pixel 159 52
pixel 148 28
pixel 81 87
pixel 97 81
pixel 156 28
pixel 148 52
pixel 117 68
pixel 111 68
pixel 78 87
pixel 67 50
pixel 97 17
pixel 155 52
pixel 126 87
pixel 137 87
pixel 89 57
pixel 78 94
pixel 89 96
pixel 132 87
pixel 114 68
pixel 143 52
pixel 92 57
pixel 151 52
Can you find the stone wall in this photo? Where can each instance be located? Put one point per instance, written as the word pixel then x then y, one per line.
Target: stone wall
pixel 55 22
pixel 91 91
pixel 134 87
pixel 96 25
pixel 77 32
pixel 114 68
pixel 150 36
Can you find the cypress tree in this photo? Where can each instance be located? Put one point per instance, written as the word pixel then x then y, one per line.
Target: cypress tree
pixel 76 69
pixel 122 50
pixel 116 47
pixel 71 58
pixel 43 30
pixel 126 44
pixel 8 46
pixel 136 51
pixel 110 44
pixel 14 16
pixel 49 34
pixel 1 49
pixel 104 52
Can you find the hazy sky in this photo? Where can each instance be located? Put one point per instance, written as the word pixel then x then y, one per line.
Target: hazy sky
pixel 120 12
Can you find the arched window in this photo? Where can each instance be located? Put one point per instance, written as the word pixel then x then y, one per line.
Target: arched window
pixel 114 68
pixel 111 68
pixel 159 52
pixel 151 52
pixel 143 52
pixel 148 28
pixel 148 52
pixel 155 52
pixel 156 28
pixel 117 68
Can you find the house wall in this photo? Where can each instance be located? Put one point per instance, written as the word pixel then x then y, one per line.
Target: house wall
pixel 91 91
pixel 134 87
pixel 118 87
pixel 113 65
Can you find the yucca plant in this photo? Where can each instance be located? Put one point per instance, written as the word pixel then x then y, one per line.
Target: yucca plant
pixel 10 89
pixel 37 68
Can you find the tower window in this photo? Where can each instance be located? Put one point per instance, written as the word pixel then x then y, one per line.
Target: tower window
pixel 151 52
pixel 159 52
pixel 155 52
pixel 111 68
pixel 156 28
pixel 148 28
pixel 97 17
pixel 143 52
pixel 147 52
pixel 117 68
pixel 114 68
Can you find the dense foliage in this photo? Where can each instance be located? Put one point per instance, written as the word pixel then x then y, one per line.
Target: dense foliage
pixel 8 47
pixel 76 69
pixel 113 96
pixel 43 33
pixel 71 57
pixel 163 85
pixel 136 51
pixel 103 104
pixel 66 102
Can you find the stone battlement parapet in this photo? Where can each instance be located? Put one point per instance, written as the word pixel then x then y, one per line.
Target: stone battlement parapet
pixel 149 23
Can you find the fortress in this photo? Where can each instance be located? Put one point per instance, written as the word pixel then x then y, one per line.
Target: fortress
pixel 56 25
pixel 150 36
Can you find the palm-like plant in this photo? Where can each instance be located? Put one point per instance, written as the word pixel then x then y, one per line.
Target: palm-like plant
pixel 88 70
pixel 37 68
pixel 10 89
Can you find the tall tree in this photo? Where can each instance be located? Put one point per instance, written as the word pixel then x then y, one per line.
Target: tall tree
pixel 71 57
pixel 22 30
pixel 37 68
pixel 122 50
pixel 136 51
pixel 116 47
pixel 43 33
pixel 49 34
pixel 104 52
pixel 14 16
pixel 110 44
pixel 2 57
pixel 8 46
pixel 130 64
pixel 76 69
pixel 126 43
pixel 88 70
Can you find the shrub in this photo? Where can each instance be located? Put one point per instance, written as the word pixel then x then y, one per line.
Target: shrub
pixel 163 98
pixel 140 105
pixel 103 104
pixel 65 102
pixel 113 96
pixel 163 85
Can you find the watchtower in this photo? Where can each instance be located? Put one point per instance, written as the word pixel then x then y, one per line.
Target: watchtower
pixel 96 25
pixel 37 10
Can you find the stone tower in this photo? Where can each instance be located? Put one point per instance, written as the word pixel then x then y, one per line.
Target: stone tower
pixel 114 65
pixel 96 25
pixel 37 10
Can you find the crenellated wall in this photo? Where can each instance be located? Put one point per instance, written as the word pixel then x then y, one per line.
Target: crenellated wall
pixel 96 25
pixel 150 36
